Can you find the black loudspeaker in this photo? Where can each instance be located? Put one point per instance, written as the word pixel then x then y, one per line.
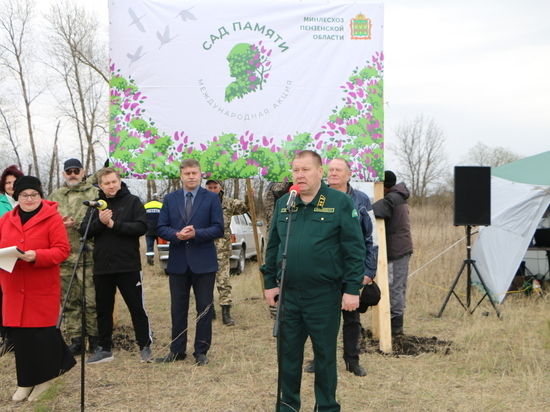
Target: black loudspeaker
pixel 472 196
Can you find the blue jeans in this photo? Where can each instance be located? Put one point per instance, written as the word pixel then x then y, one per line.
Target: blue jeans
pixel 150 242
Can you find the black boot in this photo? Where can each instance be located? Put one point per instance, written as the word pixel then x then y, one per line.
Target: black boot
pixel 226 316
pixel 150 260
pixel 397 326
pixel 213 312
pixel 356 369
pixel 93 343
pixel 76 346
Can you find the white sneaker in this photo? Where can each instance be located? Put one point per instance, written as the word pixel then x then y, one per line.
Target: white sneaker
pixel 39 389
pixel 21 393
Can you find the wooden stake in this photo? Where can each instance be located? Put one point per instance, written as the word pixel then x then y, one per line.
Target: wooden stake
pixel 381 322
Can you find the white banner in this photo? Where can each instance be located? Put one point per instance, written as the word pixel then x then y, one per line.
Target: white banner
pixel 241 86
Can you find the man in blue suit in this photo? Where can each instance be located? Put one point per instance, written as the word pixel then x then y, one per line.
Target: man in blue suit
pixel 191 218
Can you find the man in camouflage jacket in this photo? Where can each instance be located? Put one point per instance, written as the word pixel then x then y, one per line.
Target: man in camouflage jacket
pixel 274 191
pixel 70 196
pixel 230 207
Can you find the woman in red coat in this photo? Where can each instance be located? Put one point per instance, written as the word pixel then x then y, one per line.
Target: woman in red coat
pixel 9 175
pixel 32 290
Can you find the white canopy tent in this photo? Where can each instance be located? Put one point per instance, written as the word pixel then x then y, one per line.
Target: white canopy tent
pixel 520 194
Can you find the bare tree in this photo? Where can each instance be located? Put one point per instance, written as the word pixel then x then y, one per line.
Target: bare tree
pixel 15 19
pixel 55 159
pixel 151 188
pixel 420 149
pixel 7 130
pixel 74 52
pixel 236 188
pixel 483 155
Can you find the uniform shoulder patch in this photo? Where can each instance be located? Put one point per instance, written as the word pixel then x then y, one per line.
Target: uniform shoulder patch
pixel 354 213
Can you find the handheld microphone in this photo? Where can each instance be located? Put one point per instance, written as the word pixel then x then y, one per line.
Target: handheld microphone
pixel 99 204
pixel 294 191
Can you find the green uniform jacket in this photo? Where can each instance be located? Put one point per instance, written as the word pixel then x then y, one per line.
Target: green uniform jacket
pixel 70 203
pixel 325 247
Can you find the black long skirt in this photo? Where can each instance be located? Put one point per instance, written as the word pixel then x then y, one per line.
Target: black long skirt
pixel 41 354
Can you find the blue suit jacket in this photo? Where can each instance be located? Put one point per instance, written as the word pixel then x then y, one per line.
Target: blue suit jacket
pixel 198 253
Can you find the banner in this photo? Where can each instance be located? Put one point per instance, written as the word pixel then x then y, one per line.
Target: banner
pixel 242 85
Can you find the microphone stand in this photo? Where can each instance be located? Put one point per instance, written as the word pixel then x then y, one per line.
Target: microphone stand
pixel 81 253
pixel 278 327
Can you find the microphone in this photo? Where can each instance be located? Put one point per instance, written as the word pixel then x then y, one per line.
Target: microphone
pixel 294 191
pixel 99 204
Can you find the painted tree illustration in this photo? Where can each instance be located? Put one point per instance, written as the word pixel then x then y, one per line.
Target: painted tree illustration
pixel 249 65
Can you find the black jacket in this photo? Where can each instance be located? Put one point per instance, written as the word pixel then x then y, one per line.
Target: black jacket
pixel 116 250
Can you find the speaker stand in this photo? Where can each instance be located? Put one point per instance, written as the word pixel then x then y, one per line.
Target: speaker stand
pixel 468 263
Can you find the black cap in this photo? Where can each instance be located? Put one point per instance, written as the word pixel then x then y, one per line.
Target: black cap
pixel 389 179
pixel 215 181
pixel 27 182
pixel 72 164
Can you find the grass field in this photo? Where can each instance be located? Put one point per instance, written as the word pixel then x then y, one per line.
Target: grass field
pixel 492 364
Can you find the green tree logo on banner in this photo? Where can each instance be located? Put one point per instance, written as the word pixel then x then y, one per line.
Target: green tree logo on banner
pixel 249 65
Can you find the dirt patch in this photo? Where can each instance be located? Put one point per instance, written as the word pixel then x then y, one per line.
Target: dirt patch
pixel 402 345
pixel 406 345
pixel 124 338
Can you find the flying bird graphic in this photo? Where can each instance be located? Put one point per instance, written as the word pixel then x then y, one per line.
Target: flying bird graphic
pixel 165 38
pixel 136 20
pixel 186 15
pixel 136 56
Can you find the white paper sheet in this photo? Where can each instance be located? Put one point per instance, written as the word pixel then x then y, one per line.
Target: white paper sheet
pixel 8 257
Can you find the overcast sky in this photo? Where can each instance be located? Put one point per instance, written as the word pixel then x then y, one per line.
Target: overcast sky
pixel 479 68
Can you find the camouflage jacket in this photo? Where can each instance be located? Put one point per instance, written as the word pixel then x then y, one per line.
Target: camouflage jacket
pixel 274 191
pixel 70 203
pixel 230 207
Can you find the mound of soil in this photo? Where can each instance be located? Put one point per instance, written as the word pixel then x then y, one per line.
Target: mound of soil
pixel 406 345
pixel 124 338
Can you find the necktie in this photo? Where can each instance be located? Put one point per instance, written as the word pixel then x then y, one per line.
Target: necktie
pixel 188 206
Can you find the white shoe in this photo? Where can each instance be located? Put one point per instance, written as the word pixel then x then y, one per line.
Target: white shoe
pixel 39 389
pixel 21 393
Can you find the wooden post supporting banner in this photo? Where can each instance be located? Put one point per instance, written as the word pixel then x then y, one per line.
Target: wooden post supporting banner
pixel 381 322
pixel 259 251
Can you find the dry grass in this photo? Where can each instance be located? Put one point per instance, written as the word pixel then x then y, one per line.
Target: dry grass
pixel 494 365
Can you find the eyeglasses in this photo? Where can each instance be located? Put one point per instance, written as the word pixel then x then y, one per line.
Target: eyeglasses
pixel 71 171
pixel 32 195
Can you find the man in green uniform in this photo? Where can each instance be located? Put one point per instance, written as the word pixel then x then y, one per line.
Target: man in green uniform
pixel 230 207
pixel 70 197
pixel 325 248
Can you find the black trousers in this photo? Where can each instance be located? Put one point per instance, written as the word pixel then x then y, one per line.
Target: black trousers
pixel 180 289
pixel 351 332
pixel 131 289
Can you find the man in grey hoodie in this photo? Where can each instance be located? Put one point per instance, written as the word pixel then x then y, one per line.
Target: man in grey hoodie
pixel 394 210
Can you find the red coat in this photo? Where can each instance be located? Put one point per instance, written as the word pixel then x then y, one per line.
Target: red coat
pixel 32 292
